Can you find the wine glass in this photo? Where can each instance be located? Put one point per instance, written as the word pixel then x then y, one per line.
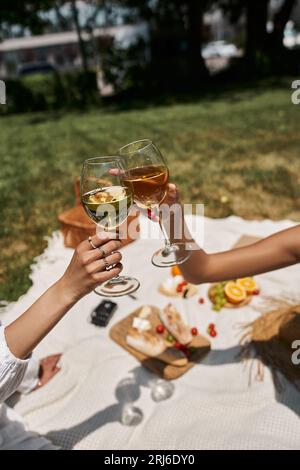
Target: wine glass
pixel 107 202
pixel 147 174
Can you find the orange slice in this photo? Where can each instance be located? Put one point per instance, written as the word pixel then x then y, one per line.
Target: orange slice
pixel 235 293
pixel 175 271
pixel 248 284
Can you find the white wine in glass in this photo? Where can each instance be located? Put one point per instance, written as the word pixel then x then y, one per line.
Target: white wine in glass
pixel 108 207
pixel 107 202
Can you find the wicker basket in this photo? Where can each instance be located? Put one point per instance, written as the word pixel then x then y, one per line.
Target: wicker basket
pixel 76 226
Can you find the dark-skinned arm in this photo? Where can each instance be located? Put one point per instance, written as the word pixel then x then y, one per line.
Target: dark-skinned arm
pixel 274 252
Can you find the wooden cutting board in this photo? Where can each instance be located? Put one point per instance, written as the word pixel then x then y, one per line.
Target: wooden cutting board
pixel 166 371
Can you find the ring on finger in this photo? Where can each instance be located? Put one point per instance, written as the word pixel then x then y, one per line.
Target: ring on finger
pixel 91 243
pixel 106 264
pixel 102 252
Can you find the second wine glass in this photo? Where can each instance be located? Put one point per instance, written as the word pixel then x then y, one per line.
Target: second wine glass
pixel 147 175
pixel 107 202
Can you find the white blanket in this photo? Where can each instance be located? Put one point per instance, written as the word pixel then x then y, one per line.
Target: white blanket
pixel 213 406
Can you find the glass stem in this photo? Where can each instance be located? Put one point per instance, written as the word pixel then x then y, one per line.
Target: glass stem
pixel 164 232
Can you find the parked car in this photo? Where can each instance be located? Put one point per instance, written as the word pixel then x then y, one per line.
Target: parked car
pixel 219 49
pixel 32 68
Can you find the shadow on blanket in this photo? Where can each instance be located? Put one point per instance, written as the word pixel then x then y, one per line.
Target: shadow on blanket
pixel 285 394
pixel 67 438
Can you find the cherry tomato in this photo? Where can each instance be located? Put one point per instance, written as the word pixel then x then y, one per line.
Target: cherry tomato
pixel 213 333
pixel 194 331
pixel 180 286
pixel 211 326
pixel 151 215
pixel 160 329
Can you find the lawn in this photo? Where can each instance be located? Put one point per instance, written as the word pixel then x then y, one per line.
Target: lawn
pixel 241 144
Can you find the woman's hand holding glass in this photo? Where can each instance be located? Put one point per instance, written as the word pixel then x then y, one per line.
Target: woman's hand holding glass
pixel 88 268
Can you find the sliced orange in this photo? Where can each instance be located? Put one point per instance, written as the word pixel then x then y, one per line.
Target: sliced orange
pixel 235 294
pixel 248 284
pixel 175 271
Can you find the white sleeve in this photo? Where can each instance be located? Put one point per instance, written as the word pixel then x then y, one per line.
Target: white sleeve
pixel 12 369
pixel 31 377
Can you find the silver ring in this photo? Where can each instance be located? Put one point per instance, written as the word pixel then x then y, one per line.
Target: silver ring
pixel 102 252
pixel 91 243
pixel 106 264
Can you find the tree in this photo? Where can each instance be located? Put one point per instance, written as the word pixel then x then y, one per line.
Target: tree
pixel 257 12
pixel 87 26
pixel 23 14
pixel 280 20
pixel 176 36
pixel 81 43
pixel 195 12
pixel 31 14
pixel 256 21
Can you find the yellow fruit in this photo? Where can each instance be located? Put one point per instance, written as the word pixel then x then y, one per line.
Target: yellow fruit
pixel 235 294
pixel 175 271
pixel 248 284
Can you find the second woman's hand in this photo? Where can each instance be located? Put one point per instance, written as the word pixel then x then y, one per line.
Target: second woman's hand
pixel 172 195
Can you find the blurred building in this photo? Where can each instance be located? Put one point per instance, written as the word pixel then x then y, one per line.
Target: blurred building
pixel 61 50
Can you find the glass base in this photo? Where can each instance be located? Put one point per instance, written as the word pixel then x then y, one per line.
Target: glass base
pixel 173 255
pixel 118 286
pixel 131 415
pixel 161 390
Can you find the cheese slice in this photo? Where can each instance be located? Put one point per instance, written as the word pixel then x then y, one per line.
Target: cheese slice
pixel 145 311
pixel 141 324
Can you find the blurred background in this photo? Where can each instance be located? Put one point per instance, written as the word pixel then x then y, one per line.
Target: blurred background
pixel 209 81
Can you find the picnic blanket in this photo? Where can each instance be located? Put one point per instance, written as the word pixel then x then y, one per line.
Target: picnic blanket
pixel 213 406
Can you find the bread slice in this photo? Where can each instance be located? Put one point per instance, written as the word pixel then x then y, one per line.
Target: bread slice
pixel 172 320
pixel 152 345
pixel 146 342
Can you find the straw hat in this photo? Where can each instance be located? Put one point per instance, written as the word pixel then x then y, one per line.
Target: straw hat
pixel 271 337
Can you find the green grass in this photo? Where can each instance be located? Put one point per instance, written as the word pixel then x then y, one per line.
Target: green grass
pixel 244 145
